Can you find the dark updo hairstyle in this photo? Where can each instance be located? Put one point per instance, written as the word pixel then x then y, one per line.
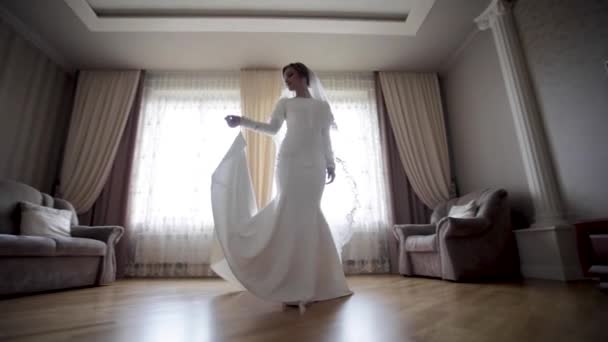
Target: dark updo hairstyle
pixel 301 69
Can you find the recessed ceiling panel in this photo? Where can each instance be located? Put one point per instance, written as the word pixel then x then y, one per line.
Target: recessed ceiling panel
pixel 200 7
pixel 380 17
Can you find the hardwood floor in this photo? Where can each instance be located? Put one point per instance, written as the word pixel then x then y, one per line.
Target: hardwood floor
pixel 383 308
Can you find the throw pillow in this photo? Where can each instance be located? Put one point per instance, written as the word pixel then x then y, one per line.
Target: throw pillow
pixel 38 220
pixel 463 211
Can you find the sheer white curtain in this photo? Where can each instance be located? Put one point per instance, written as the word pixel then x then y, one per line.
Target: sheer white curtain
pixel 181 139
pixel 357 204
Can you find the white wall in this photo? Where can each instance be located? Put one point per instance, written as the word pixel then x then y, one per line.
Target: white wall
pixel 480 124
pixel 566 43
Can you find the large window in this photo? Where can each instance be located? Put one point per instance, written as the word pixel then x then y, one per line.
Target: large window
pixel 356 205
pixel 181 139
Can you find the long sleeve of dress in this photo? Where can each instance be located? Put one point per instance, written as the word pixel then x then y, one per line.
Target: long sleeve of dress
pixel 273 126
pixel 329 153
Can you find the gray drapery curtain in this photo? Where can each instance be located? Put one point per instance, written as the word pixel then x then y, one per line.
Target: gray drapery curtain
pixel 110 208
pixel 413 103
pixel 101 109
pixel 406 206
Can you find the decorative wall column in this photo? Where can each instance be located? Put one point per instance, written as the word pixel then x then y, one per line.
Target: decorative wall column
pixel 498 17
pixel 547 249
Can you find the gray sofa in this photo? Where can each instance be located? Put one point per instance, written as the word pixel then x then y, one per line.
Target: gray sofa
pixel 35 263
pixel 462 248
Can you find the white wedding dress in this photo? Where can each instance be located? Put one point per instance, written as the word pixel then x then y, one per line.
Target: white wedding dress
pixel 284 252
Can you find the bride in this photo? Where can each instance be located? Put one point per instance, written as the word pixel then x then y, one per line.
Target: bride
pixel 285 252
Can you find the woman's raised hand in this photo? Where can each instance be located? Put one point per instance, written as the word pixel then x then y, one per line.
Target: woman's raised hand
pixel 233 120
pixel 331 175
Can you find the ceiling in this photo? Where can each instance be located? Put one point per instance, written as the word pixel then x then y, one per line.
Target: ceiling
pixel 416 35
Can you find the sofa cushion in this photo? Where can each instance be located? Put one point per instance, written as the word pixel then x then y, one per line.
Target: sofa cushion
pixel 71 246
pixel 421 243
pixel 20 245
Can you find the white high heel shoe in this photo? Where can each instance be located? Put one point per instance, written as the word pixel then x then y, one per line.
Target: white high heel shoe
pixel 300 305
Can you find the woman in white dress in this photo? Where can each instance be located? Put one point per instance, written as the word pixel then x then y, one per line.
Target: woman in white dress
pixel 285 252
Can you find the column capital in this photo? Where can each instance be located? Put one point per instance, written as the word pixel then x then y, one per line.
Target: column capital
pixel 495 9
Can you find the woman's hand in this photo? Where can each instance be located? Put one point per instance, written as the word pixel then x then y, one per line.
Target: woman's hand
pixel 233 120
pixel 331 175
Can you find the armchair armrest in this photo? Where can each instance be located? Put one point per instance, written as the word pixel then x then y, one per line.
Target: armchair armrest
pixel 107 234
pixel 402 231
pixel 462 227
